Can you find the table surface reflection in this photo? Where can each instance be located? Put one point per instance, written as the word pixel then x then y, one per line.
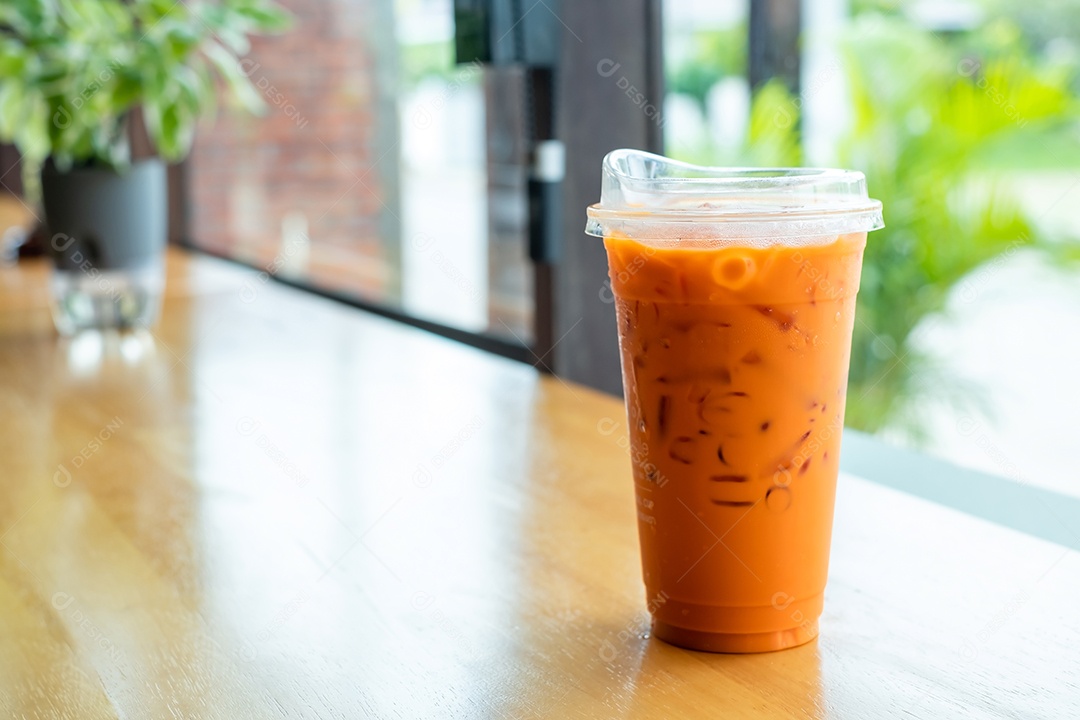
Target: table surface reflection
pixel 273 505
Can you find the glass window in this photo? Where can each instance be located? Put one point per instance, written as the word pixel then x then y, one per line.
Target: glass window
pixel 707 108
pixel 964 117
pixel 370 175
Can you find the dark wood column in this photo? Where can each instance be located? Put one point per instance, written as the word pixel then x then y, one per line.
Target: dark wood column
pixel 10 171
pixel 774 42
pixel 609 95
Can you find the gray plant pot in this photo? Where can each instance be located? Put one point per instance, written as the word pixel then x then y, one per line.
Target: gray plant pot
pixel 107 233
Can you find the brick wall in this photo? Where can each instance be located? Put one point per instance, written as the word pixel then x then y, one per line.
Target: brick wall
pixel 323 158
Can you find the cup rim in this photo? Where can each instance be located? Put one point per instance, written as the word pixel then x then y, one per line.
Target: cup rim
pixel 649 195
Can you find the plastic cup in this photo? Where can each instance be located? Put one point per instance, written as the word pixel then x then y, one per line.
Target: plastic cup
pixel 735 295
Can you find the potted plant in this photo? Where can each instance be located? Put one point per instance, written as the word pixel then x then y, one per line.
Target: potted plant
pixel 79 80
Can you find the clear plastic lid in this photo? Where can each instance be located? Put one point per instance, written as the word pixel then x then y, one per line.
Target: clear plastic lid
pixel 649 197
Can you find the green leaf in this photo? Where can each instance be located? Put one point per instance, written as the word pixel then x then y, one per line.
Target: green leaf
pixel 264 17
pixel 229 67
pixel 33 137
pixel 773 133
pixel 71 69
pixel 13 59
pixel 12 101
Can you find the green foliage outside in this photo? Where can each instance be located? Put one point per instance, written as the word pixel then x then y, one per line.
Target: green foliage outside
pixel 939 123
pixel 934 120
pixel 427 60
pixel 72 71
pixel 709 56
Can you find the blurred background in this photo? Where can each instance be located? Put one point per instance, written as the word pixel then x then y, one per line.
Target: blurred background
pixel 963 115
pixel 386 173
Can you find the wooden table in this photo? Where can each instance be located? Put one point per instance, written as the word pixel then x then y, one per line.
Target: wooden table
pixel 277 506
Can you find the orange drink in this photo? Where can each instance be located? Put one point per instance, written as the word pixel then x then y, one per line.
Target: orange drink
pixel 735 295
